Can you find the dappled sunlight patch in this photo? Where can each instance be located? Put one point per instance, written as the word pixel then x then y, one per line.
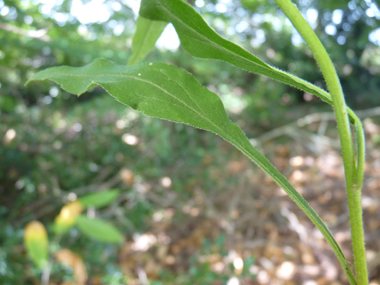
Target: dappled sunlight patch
pixel 286 270
pixel 296 161
pixel 263 277
pixel 297 177
pixel 166 182
pixel 342 236
pixel 190 210
pixel 127 176
pixel 9 136
pixel 130 139
pixel 238 264
pixel 331 165
pixel 311 270
pixel 163 215
pixel 77 127
pixel 143 242
pixel 218 267
pixel 233 281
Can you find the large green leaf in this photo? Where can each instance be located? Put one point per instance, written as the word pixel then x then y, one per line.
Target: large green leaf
pixel 99 199
pixel 167 92
pixel 98 229
pixel 145 37
pixel 201 41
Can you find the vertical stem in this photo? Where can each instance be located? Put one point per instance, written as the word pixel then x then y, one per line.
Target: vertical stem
pixel 46 274
pixel 332 82
pixel 353 174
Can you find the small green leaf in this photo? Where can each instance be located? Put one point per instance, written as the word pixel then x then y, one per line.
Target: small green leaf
pixel 99 199
pixel 36 243
pixel 98 229
pixel 38 253
pixel 201 41
pixel 66 218
pixel 61 229
pixel 145 37
pixel 167 92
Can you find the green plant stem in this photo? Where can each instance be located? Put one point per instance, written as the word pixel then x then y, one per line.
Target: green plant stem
pixel 332 82
pixel 354 174
pixel 360 150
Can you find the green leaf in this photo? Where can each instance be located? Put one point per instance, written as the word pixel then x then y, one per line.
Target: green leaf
pixel 38 252
pixel 167 92
pixel 99 199
pixel 98 229
pixel 61 229
pixel 202 41
pixel 36 243
pixel 145 37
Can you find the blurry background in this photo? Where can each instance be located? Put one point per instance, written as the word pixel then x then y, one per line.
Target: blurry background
pixel 193 209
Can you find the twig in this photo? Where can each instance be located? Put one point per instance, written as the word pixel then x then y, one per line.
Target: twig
pixel 142 276
pixel 307 120
pixel 39 34
pixel 46 274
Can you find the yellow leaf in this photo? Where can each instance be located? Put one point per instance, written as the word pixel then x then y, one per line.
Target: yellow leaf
pixel 69 213
pixel 36 242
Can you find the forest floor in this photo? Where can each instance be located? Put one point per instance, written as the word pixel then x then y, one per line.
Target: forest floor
pixel 266 238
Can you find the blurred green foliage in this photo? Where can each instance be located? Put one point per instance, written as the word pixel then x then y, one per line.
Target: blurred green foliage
pixel 53 144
